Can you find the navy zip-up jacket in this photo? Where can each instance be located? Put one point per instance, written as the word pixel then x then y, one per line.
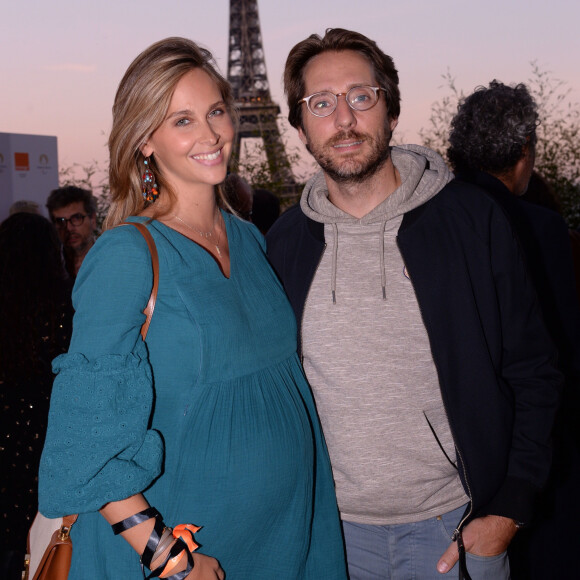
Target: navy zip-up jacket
pixel 495 361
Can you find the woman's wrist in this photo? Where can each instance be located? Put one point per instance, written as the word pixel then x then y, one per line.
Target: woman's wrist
pixel 137 536
pixel 166 553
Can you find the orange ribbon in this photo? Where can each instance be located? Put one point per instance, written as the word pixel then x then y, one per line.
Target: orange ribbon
pixel 184 532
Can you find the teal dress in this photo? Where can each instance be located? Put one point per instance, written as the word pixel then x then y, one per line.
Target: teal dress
pixel 211 418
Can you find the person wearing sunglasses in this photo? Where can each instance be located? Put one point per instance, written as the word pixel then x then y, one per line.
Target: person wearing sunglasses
pixel 73 211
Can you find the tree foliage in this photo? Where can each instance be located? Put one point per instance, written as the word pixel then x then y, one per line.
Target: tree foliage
pixel 436 135
pixel 558 146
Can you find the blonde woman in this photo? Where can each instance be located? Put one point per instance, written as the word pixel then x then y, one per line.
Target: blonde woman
pixel 210 422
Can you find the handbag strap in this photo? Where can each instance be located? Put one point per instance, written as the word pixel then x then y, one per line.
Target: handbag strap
pixel 68 521
pixel 155 264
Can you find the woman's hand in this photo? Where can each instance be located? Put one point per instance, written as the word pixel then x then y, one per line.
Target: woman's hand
pixel 206 568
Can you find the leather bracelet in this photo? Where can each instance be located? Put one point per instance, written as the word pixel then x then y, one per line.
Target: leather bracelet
pixel 152 543
pixel 165 542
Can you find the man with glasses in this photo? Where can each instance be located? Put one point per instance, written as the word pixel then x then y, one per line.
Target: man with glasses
pixel 74 213
pixel 420 334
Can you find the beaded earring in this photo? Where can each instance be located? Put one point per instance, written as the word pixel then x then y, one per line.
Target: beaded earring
pixel 148 185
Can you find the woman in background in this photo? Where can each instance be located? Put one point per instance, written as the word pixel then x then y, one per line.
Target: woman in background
pixel 211 422
pixel 35 326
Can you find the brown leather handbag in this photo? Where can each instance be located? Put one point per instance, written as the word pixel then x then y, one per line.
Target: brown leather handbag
pixel 55 562
pixel 56 559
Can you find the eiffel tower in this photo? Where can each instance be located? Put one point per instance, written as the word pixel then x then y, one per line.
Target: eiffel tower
pixel 247 75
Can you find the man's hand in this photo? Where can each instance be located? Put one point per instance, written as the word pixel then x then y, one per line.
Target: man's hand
pixel 487 536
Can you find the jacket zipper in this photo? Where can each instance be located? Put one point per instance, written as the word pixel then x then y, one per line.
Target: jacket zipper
pixel 306 302
pixel 460 524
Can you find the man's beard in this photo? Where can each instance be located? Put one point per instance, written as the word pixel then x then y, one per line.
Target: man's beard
pixel 81 246
pixel 348 170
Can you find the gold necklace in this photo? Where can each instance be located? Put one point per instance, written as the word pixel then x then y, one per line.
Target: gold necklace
pixel 205 235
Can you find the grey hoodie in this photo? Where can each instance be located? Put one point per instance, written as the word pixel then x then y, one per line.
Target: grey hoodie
pixel 368 359
pixel 423 174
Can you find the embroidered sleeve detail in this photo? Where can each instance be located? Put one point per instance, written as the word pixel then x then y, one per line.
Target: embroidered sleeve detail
pixel 99 447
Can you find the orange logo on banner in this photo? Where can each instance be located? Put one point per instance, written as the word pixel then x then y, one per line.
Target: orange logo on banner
pixel 21 162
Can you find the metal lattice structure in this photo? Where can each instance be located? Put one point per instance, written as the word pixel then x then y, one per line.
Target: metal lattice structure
pixel 247 75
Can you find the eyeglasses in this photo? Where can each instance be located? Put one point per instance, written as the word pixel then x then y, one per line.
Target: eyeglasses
pixel 360 98
pixel 75 220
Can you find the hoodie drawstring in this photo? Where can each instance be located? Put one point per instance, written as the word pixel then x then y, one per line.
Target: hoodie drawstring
pixel 334 262
pixel 382 259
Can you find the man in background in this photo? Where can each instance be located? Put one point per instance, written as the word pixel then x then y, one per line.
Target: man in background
pixel 259 206
pixel 74 213
pixel 24 206
pixel 492 145
pixel 240 195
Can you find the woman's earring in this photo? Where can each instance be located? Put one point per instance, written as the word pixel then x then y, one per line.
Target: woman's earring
pixel 148 185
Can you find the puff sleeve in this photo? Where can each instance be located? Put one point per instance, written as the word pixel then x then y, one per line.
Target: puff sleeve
pixel 99 445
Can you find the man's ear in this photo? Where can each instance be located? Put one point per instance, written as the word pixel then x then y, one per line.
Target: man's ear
pixel 393 123
pixel 529 150
pixel 302 136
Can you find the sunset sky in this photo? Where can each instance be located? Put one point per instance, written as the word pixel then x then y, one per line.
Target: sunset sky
pixel 62 60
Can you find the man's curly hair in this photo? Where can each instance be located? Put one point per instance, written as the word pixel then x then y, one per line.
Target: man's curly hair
pixel 491 128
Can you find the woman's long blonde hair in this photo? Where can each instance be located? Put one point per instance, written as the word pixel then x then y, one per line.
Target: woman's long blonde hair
pixel 140 106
